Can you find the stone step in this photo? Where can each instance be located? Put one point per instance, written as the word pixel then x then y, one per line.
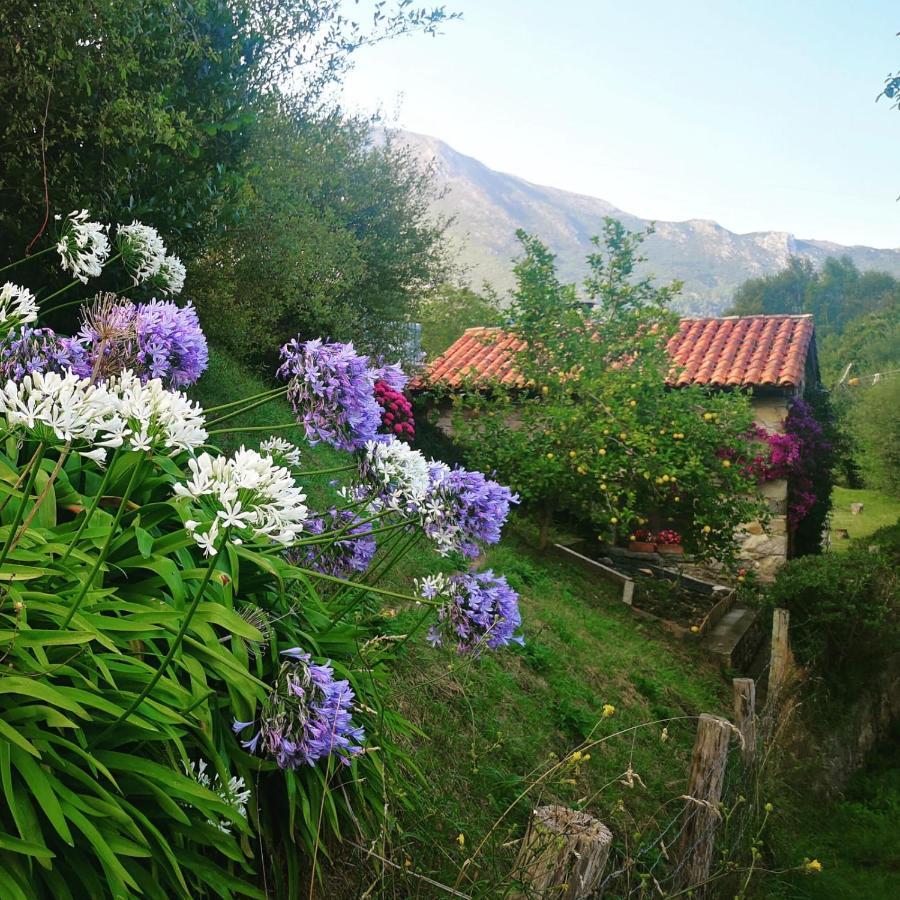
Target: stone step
pixel 735 638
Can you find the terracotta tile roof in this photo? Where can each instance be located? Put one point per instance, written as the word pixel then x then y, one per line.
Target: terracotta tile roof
pixel 737 351
pixel 481 353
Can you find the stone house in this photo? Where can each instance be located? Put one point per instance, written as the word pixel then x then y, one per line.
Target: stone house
pixel 772 356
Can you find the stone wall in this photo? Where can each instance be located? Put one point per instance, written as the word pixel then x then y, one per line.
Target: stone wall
pixel 765 550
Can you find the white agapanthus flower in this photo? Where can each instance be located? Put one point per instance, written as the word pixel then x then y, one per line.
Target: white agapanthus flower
pixel 63 407
pixel 235 793
pixel 399 473
pixel 143 251
pixel 432 586
pixel 83 247
pixel 171 275
pixel 281 450
pixel 156 418
pixel 17 306
pixel 249 494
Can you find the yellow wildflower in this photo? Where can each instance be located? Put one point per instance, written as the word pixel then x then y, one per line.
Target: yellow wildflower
pixel 608 710
pixel 812 865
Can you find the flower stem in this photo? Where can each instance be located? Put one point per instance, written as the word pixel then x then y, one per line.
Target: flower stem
pixel 313 472
pixel 86 586
pixel 22 476
pixel 26 259
pixel 173 648
pixel 266 393
pixel 95 502
pixel 254 428
pixel 32 475
pixel 68 287
pixel 64 454
pixel 243 409
pixel 335 580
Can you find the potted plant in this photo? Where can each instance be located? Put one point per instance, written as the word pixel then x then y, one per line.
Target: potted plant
pixel 668 542
pixel 642 542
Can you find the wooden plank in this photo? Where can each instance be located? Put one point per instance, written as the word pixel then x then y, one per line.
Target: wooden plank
pixel 745 715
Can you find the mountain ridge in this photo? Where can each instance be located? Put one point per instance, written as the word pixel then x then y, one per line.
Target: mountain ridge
pixel 488 206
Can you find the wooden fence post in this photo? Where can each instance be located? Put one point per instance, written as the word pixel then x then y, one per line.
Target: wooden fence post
pixel 745 714
pixel 704 792
pixel 563 854
pixel 779 659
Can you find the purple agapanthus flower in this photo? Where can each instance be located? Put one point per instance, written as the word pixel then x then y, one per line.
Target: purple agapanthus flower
pixel 32 350
pixel 155 340
pixel 307 716
pixel 171 342
pixel 331 388
pixel 481 610
pixel 342 556
pixel 463 507
pixel 392 375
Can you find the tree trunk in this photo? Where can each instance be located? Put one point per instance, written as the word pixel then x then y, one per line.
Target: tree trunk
pixel 563 854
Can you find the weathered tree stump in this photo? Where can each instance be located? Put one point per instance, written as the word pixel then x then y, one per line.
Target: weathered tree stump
pixel 563 854
pixel 702 816
pixel 856 509
pixel 745 714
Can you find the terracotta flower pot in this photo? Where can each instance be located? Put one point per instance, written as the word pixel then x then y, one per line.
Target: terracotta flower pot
pixel 670 549
pixel 642 547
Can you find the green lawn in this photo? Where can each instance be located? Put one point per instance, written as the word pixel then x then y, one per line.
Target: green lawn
pixel 493 728
pixel 879 510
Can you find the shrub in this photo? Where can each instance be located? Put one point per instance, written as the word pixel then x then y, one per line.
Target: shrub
pixel 845 608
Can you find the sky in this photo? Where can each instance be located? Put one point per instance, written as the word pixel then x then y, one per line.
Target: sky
pixel 760 115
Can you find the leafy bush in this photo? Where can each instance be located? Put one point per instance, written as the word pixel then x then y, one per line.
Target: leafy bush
pixel 187 689
pixel 845 608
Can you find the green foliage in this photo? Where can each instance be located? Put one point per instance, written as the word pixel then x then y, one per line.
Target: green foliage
pixel 340 226
pixel 167 110
pixel 447 311
pixel 875 421
pixel 878 510
pixel 597 433
pixel 845 608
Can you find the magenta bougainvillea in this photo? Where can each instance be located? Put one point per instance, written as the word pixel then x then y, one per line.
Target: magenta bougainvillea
pixel 797 455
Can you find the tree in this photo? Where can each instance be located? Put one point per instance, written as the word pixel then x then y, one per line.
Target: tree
pixel 784 292
pixel 146 108
pixel 595 432
pixel 342 229
pixel 876 426
pixel 448 310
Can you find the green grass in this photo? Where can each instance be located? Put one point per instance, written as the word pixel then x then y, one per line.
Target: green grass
pixel 857 840
pixel 879 510
pixel 491 728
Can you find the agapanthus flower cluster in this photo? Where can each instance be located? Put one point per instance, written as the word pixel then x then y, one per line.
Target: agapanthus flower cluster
pixel 396 475
pixel 155 340
pixel 393 376
pixel 65 408
pixel 397 413
pixel 461 508
pixel 235 793
pixel 32 350
pixel 480 610
pixel 348 552
pixel 282 451
pixel 143 251
pixel 156 418
pixel 17 306
pixel 83 246
pixel 306 717
pixel 248 495
pixel 331 388
pixel 171 276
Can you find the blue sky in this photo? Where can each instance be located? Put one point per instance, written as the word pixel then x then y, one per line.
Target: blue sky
pixel 760 114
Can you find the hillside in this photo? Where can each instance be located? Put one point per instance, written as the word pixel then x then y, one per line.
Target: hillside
pixel 712 261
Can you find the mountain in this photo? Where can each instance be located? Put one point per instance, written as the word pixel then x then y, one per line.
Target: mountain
pixel 488 206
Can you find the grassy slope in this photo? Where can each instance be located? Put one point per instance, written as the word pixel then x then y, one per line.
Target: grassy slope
pixel 490 724
pixel 879 510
